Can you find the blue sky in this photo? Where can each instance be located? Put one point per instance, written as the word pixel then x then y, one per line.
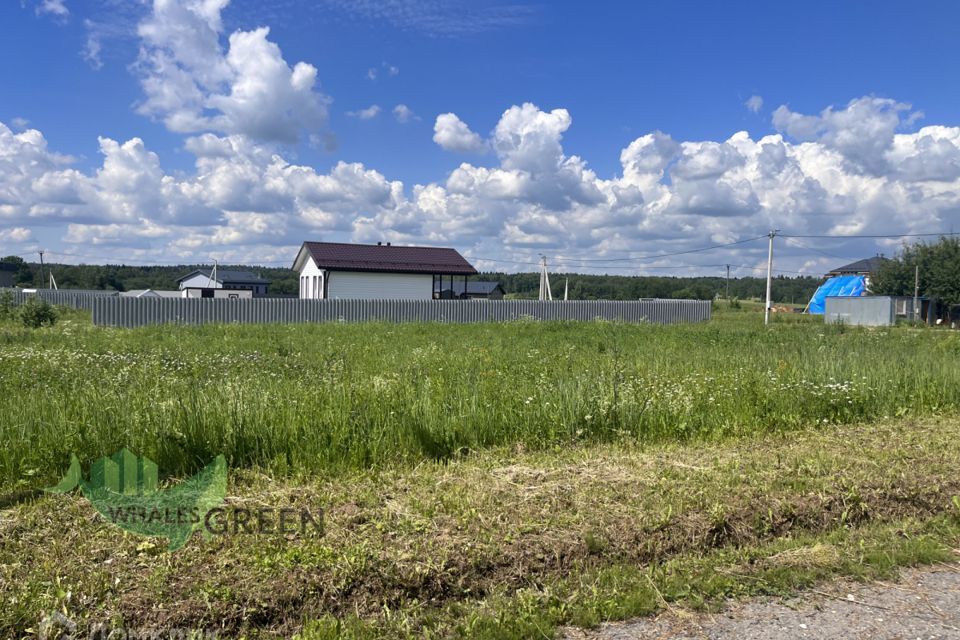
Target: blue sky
pixel 865 139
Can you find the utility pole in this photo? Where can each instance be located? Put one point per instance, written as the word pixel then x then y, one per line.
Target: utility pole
pixel 545 293
pixel 916 292
pixel 728 283
pixel 566 289
pixel 41 269
pixel 212 278
pixel 766 311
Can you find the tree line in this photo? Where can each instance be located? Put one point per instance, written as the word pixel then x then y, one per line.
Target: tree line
pixel 606 287
pixel 516 285
pixel 937 264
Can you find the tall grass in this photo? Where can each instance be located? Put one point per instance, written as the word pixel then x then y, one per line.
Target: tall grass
pixel 325 398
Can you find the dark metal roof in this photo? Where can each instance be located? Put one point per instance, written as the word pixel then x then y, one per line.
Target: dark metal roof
pixel 867 265
pixel 225 276
pixel 8 266
pixel 339 256
pixel 477 287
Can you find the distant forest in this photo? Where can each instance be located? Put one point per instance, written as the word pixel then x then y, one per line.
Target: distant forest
pixel 516 285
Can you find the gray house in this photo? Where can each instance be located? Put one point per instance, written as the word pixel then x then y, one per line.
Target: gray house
pixel 8 274
pixel 224 279
pixel 472 289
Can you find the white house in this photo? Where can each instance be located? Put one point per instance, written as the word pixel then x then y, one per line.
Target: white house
pixel 202 279
pixel 336 270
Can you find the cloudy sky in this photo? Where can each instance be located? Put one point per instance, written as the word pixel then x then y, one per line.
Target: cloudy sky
pixel 603 135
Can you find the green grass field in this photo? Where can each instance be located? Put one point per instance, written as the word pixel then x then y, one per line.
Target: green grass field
pixel 479 481
pixel 325 398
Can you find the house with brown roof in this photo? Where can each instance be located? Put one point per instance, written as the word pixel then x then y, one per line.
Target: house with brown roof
pixel 382 271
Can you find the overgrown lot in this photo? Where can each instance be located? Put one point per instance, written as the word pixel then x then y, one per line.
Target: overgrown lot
pixel 328 398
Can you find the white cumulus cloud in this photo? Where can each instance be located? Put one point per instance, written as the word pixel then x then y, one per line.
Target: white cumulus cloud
pixel 453 134
pixel 56 8
pixel 365 114
pixel 243 201
pixel 863 131
pixel 192 84
pixel 404 114
pixel 15 234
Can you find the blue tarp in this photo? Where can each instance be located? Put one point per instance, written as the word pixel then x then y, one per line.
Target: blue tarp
pixel 836 286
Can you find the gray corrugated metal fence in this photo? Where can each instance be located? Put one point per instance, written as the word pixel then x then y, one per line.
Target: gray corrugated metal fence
pixel 865 311
pixel 76 298
pixel 136 312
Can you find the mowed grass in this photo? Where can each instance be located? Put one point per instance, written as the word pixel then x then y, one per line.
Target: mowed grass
pixel 508 544
pixel 322 399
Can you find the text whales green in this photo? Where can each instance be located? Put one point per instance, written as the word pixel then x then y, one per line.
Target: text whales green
pixel 123 489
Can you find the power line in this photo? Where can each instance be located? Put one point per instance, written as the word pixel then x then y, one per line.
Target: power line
pixel 662 255
pixel 575 261
pixel 823 253
pixel 150 261
pixel 857 236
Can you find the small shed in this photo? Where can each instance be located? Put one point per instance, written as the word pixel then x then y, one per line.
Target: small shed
pixel 877 311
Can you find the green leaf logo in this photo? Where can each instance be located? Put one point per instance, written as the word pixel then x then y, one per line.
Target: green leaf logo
pixel 123 489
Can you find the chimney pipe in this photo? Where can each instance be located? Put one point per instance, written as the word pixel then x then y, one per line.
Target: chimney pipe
pixel 388 244
pixel 379 244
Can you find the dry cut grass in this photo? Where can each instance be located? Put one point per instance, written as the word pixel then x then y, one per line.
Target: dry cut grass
pixel 493 542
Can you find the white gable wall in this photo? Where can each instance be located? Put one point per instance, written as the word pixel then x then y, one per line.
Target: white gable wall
pixel 311 280
pixel 200 281
pixel 361 285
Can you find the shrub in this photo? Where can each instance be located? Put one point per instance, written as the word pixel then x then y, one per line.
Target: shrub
pixel 36 312
pixel 6 305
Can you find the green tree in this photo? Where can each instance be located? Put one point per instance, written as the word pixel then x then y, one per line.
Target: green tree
pixel 939 265
pixel 24 272
pixel 34 313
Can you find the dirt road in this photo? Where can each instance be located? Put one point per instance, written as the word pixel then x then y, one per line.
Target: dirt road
pixel 923 604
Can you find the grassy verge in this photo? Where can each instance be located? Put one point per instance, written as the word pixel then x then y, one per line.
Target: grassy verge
pixel 511 542
pixel 339 398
